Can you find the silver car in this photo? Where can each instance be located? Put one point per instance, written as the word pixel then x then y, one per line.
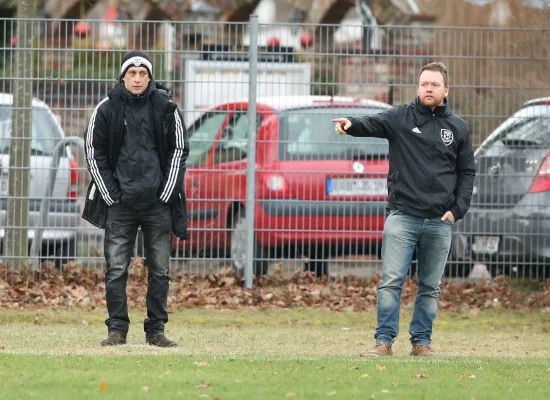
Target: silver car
pixel 58 238
pixel 508 225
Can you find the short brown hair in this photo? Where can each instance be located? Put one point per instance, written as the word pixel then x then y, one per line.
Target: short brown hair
pixel 436 66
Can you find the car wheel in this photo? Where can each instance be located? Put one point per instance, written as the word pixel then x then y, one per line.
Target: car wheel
pixel 458 268
pixel 540 272
pixel 412 273
pixel 317 262
pixel 139 249
pixel 238 248
pixel 498 269
pixel 65 252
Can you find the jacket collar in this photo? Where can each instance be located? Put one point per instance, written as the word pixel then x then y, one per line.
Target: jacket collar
pixel 439 111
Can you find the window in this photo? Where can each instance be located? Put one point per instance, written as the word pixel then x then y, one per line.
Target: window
pixel 527 127
pixel 202 135
pixel 308 134
pixel 45 133
pixel 234 140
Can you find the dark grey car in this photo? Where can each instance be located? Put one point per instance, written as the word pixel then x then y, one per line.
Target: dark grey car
pixel 508 225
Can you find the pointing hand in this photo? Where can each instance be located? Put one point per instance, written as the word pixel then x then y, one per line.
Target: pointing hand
pixel 342 125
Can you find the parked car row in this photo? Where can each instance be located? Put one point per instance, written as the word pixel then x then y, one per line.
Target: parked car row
pixel 318 194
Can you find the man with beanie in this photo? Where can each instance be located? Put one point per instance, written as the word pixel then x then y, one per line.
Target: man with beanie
pixel 136 150
pixel 430 185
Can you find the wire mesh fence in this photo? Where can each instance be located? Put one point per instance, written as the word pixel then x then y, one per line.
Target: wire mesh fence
pixel 319 198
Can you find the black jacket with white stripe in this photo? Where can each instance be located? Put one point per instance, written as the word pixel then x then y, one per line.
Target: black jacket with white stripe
pixel 123 169
pixel 432 167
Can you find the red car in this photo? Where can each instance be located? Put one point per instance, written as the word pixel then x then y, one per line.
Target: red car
pixel 317 194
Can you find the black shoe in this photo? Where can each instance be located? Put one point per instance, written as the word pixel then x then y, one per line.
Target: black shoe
pixel 114 339
pixel 160 340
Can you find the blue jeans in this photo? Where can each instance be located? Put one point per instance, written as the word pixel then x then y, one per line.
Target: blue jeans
pixel 403 234
pixel 120 236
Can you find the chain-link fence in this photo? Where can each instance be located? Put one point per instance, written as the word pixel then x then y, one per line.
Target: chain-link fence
pixel 319 198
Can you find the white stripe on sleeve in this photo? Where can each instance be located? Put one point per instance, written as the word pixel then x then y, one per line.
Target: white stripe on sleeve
pixel 94 171
pixel 175 165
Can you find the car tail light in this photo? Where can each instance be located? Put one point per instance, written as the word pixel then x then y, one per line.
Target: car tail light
pixel 73 188
pixel 541 183
pixel 275 185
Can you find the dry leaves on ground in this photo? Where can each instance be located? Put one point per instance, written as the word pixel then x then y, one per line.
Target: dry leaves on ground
pixel 76 286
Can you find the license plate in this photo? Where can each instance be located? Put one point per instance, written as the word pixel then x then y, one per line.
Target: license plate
pixel 485 244
pixel 357 187
pixel 4 187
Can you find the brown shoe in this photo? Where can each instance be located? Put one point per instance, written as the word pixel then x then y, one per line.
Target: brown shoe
pixel 379 350
pixel 114 339
pixel 422 351
pixel 160 340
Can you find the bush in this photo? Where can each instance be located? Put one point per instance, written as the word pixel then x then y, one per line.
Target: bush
pixel 324 84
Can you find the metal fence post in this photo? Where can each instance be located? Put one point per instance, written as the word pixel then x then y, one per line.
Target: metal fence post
pixel 251 151
pixel 58 152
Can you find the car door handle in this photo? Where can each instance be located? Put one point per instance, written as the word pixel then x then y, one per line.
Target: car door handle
pixel 194 183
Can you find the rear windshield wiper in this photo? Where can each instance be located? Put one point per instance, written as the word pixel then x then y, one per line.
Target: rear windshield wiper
pixel 520 143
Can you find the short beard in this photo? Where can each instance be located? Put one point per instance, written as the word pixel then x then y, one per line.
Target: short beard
pixel 435 102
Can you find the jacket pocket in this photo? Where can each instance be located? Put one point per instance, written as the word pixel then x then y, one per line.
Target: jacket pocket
pixel 95 208
pixel 179 215
pixel 393 176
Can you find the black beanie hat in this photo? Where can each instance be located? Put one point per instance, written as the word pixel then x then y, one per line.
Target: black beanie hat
pixel 135 58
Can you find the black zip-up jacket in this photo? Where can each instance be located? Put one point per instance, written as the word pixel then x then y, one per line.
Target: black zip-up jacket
pixel 431 158
pixel 103 140
pixel 138 169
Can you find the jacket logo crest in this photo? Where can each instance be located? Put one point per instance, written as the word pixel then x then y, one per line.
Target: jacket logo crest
pixel 447 136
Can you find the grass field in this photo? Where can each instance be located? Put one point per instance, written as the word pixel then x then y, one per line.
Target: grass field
pixel 276 354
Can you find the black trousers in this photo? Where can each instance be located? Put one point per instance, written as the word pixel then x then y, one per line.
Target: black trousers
pixel 120 236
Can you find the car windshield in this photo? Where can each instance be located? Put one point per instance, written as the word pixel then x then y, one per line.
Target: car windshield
pixel 45 133
pixel 527 127
pixel 308 134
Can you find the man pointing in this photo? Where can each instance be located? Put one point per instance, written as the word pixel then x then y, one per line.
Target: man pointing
pixel 430 184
